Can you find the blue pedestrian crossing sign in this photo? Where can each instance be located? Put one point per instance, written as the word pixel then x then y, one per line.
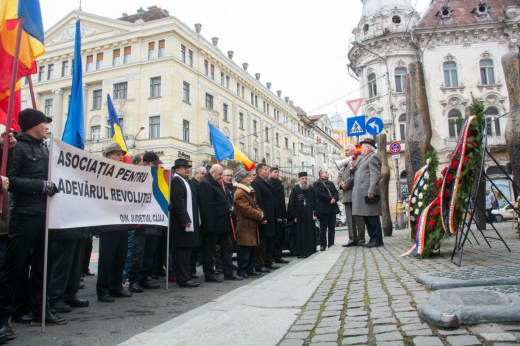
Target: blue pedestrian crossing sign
pixel 356 126
pixel 374 126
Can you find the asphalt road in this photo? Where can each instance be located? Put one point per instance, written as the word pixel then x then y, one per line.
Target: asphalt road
pixel 112 323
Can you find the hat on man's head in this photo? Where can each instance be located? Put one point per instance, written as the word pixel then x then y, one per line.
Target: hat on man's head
pixel 302 174
pixel 241 174
pixel 152 157
pixel 29 118
pixel 114 147
pixel 369 141
pixel 181 162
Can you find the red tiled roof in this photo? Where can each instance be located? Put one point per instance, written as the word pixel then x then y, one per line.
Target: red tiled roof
pixel 316 117
pixel 461 12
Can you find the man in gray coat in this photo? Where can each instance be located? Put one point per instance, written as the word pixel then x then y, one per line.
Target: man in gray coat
pixel 366 197
pixel 345 182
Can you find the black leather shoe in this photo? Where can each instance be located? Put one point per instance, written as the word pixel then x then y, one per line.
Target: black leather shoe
pixel 255 273
pixel 60 306
pixel 77 302
pixel 81 286
pixel 369 245
pixel 83 275
pixel 189 283
pixel 323 248
pixel 218 271
pixel 233 276
pixel 89 274
pixel 22 319
pixel 107 298
pixel 135 287
pixel 194 276
pixel 243 276
pixel 149 285
pixel 121 294
pixel 50 320
pixel 281 260
pixel 213 278
pixel 361 243
pixel 6 331
pixel 273 267
pixel 350 243
pixel 263 270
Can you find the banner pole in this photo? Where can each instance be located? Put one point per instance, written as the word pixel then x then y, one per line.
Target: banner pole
pixel 168 233
pixel 46 246
pixel 33 99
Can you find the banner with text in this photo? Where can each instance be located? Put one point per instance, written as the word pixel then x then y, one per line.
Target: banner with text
pixel 97 191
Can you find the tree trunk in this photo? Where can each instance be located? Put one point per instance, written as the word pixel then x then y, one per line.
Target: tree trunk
pixel 384 187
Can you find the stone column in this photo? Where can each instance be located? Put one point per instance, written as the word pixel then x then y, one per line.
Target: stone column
pixel 57 116
pixel 384 187
pixel 511 65
pixel 418 125
pixel 85 108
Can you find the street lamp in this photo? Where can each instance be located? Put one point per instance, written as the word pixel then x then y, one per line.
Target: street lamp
pixel 140 13
pixel 140 129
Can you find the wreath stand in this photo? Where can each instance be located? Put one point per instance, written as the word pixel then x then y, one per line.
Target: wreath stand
pixel 464 229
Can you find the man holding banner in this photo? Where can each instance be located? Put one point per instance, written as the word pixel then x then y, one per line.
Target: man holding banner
pixel 29 190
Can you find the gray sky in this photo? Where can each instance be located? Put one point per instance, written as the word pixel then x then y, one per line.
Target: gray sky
pixel 300 46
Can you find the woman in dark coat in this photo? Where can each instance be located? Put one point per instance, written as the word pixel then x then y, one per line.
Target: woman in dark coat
pixel 248 215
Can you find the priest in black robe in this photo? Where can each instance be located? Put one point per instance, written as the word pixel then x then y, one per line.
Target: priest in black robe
pixel 303 211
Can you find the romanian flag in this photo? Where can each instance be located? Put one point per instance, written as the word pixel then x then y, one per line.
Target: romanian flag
pixel 161 189
pixel 31 44
pixel 17 105
pixel 225 150
pixel 117 132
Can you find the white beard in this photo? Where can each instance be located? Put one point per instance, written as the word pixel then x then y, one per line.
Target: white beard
pixel 304 187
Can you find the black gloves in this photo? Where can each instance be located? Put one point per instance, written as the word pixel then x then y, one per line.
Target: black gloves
pixel 49 188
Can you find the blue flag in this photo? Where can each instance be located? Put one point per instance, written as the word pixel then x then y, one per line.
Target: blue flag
pixel 74 131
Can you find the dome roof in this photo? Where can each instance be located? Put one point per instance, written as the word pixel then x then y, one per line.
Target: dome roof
pixel 338 123
pixel 373 7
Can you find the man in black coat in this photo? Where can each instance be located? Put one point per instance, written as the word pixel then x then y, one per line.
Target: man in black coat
pixel 215 225
pixel 196 253
pixel 198 174
pixel 281 213
pixel 29 189
pixel 328 196
pixel 264 194
pixel 184 223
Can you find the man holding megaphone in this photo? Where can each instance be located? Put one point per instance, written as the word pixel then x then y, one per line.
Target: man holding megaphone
pixel 345 181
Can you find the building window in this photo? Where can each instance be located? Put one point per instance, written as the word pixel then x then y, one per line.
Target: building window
pixel 454 123
pixel 243 92
pixel 266 134
pixel 190 58
pixel 120 90
pixel 212 72
pixel 294 148
pixel 65 68
pixel 451 78
pixel 238 89
pixel 286 143
pixel 186 92
pixel 116 59
pixel 151 50
pixel 108 133
pixel 493 126
pixel 276 114
pixel 186 130
pixel 95 133
pixel 183 53
pixel 252 99
pixel 209 101
pixel 23 105
pixel 227 82
pixel 241 121
pixel 277 140
pixel 225 112
pixel 48 107
pixel 400 79
pixel 99 61
pixel 312 151
pixel 301 146
pixel 222 78
pixel 254 127
pixel 206 67
pixel 90 63
pixel 96 100
pixel 155 127
pixel 155 87
pixel 255 154
pixel 128 55
pixel 50 72
pixel 267 158
pixel 487 71
pixel 41 73
pixel 372 85
pixel 402 127
pixel 162 46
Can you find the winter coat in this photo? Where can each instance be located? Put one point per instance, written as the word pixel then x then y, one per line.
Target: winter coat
pixel 179 215
pixel 325 197
pixel 4 218
pixel 213 206
pixel 265 199
pixel 71 233
pixel 112 228
pixel 150 229
pixel 27 174
pixel 367 177
pixel 248 215
pixel 279 196
pixel 346 176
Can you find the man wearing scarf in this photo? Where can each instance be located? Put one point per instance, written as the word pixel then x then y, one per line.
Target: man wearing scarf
pixel 303 211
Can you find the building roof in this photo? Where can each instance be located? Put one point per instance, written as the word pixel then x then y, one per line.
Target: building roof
pixel 338 123
pixel 153 13
pixel 316 117
pixel 464 12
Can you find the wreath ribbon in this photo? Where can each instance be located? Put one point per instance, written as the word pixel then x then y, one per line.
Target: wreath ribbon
pixel 422 222
pixel 419 176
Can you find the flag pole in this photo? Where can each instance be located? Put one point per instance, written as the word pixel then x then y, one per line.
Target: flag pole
pixel 168 233
pixel 5 149
pixel 33 99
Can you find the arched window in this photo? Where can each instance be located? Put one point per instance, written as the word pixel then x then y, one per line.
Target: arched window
pixel 372 86
pixel 402 127
pixel 493 126
pixel 451 78
pixel 487 71
pixel 453 122
pixel 400 79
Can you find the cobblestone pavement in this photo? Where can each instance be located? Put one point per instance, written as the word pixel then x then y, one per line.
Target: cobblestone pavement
pixel 371 297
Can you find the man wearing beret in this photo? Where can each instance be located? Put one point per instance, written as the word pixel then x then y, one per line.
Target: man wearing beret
pixel 366 200
pixel 29 189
